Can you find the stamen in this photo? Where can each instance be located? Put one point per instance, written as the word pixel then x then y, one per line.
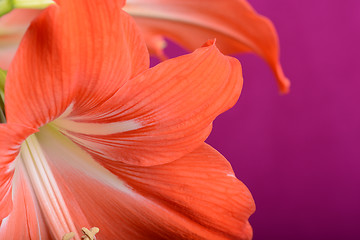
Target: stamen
pixel 88 234
pixel 68 236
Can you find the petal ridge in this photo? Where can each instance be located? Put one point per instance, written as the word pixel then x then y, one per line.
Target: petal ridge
pixel 167 110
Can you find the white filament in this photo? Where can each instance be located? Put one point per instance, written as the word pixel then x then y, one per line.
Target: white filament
pixel 45 187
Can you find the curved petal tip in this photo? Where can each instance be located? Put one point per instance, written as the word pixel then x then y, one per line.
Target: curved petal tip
pixel 282 80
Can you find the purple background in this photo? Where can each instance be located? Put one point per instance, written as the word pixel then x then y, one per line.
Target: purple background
pixel 299 154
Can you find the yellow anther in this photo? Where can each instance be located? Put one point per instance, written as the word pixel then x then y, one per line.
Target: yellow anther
pixel 68 236
pixel 89 234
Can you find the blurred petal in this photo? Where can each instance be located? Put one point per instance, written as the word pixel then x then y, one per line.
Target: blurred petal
pixel 234 23
pixel 195 197
pixel 73 54
pixel 12 28
pixel 163 113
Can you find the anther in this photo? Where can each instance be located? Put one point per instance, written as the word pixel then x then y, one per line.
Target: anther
pixel 68 236
pixel 88 234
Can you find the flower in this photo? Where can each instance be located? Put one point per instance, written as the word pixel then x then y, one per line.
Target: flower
pixel 234 23
pixel 94 138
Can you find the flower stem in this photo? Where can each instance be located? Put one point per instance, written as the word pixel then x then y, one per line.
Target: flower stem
pixel 36 4
pixel 7 6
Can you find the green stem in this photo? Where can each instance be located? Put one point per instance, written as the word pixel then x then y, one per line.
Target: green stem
pixel 36 4
pixel 6 6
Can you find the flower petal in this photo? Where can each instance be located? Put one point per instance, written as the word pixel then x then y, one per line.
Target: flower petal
pixel 163 113
pixel 195 197
pixel 235 24
pixel 200 186
pixel 80 52
pixel 25 220
pixel 11 136
pixel 12 28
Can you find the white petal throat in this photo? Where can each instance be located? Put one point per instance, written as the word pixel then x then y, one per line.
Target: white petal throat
pixel 47 192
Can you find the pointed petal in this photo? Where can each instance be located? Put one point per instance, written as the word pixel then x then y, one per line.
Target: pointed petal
pixel 72 53
pixel 234 23
pixel 162 114
pixel 201 186
pixel 25 220
pixel 195 197
pixel 11 136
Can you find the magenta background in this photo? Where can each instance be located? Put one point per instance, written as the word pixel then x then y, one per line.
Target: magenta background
pixel 300 154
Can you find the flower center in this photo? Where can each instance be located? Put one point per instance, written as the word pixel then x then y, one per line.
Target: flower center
pixel 46 190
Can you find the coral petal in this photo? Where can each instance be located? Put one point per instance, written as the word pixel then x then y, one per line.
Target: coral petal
pixel 11 136
pixel 195 197
pixel 25 220
pixel 161 115
pixel 234 23
pixel 201 186
pixel 79 52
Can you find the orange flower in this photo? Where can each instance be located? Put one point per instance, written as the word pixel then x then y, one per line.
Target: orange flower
pixel 234 23
pixel 96 138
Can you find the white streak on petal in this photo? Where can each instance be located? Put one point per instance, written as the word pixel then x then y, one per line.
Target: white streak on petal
pixel 231 175
pixel 4 222
pixel 67 111
pixel 71 154
pixel 97 128
pixel 12 165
